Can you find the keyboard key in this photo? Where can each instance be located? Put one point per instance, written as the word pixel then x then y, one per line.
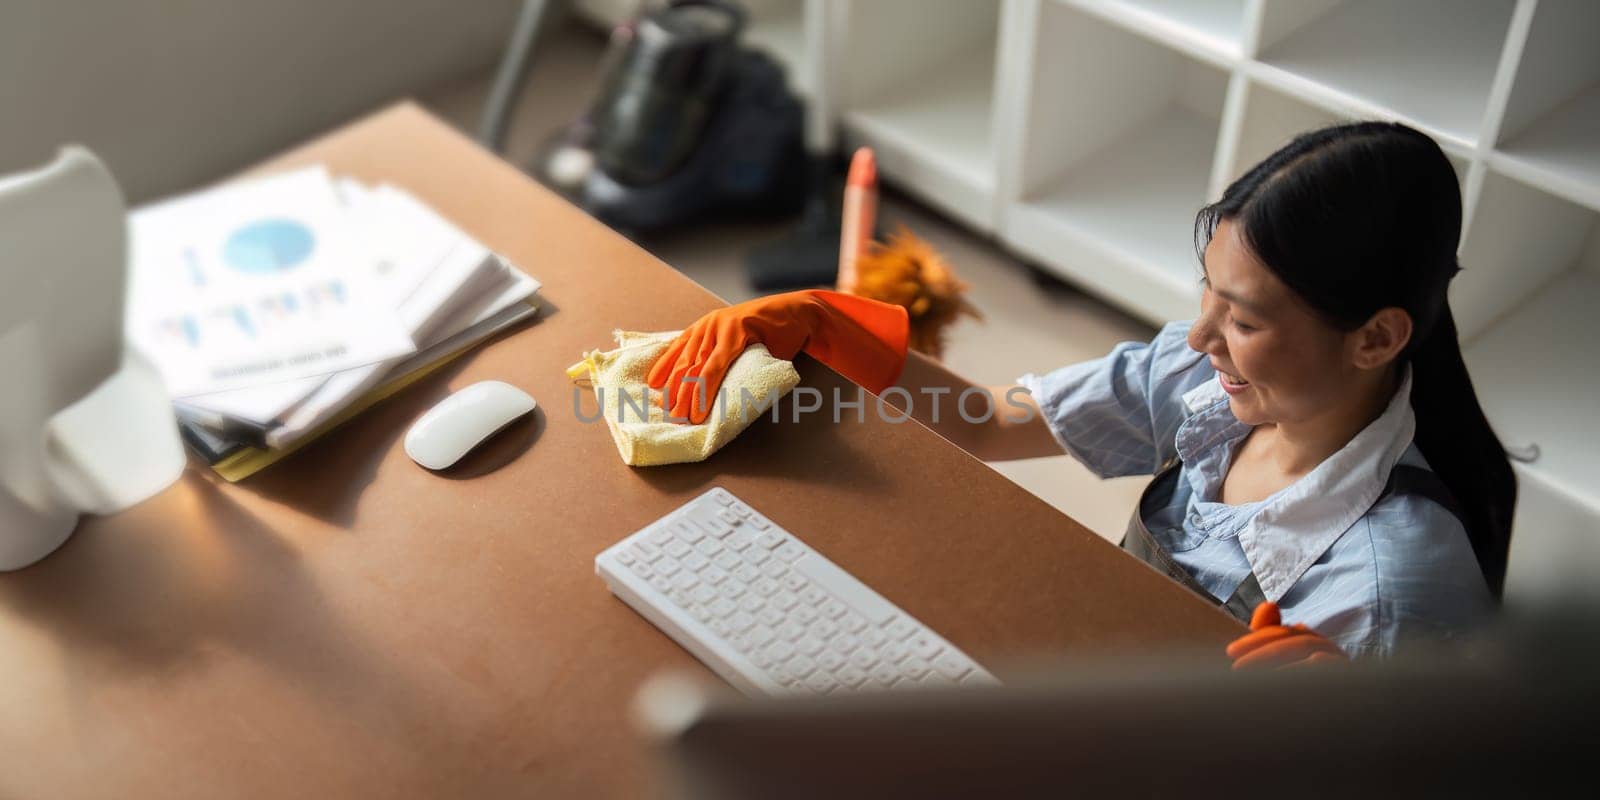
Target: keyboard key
pixel 729 517
pixel 733 590
pixel 728 561
pixel 769 540
pixel 757 556
pixel 789 551
pixel 792 631
pixel 722 497
pixel 741 621
pixel 915 668
pixel 642 570
pixel 720 627
pixel 810 645
pixel 800 666
pixel 833 609
pixel 660 536
pixel 738 541
pixel 885 674
pixel 625 558
pixel 762 635
pixel 853 622
pixel 677 549
pixel 851 677
pixel 774 568
pixel 701 613
pixel 895 652
pixel 760 658
pixel 830 660
pixel 874 638
pixel 767 588
pixel 685 581
pixel 863 659
pixel 752 603
pixel 821 682
pixel 695 561
pixel 814 597
pixel 771 617
pixel 824 629
pixel 713 575
pixel 794 582
pixel 759 524
pixel 747 573
pixel 680 598
pixel 900 629
pixel 785 601
pixel 667 567
pixel 740 642
pixel 661 584
pixel 709 547
pixel 687 531
pixel 925 647
pixel 780 651
pixel 951 666
pixel 805 615
pixel 645 550
pixel 723 607
pixel 844 644
pixel 703 594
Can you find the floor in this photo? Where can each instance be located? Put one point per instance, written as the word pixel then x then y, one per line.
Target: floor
pixel 1028 326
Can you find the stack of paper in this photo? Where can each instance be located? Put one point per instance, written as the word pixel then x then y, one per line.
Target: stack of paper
pixel 272 307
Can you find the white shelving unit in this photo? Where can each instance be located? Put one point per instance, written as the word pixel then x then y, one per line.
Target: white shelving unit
pixel 916 80
pixel 1085 134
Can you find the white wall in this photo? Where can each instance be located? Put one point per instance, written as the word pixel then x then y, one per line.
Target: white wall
pixel 174 93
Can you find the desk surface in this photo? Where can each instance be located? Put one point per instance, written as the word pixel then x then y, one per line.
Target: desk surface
pixel 346 623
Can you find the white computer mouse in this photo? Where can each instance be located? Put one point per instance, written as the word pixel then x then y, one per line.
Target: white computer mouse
pixel 464 420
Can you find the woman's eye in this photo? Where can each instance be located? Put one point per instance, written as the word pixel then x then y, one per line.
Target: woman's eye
pixel 1243 327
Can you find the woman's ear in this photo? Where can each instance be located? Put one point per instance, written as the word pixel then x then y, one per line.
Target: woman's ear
pixel 1380 340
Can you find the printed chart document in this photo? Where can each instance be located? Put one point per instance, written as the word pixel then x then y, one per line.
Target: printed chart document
pixel 258 283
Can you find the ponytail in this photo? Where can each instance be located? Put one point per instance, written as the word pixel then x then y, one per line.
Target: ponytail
pixel 1455 438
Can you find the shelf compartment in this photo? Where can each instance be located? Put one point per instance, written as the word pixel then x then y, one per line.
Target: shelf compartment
pixel 1534 372
pixel 922 96
pixel 1521 240
pixel 1123 221
pixel 778 28
pixel 1430 62
pixel 1551 132
pixel 1211 29
pixel 1108 199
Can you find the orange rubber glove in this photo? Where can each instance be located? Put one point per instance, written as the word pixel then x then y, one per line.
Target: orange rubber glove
pixel 863 340
pixel 1270 643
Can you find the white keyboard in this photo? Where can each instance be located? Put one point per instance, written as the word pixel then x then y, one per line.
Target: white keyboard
pixel 769 614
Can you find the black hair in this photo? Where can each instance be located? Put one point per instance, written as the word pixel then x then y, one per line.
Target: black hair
pixel 1364 216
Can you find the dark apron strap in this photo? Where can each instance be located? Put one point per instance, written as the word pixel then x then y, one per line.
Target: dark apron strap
pixel 1403 479
pixel 1141 544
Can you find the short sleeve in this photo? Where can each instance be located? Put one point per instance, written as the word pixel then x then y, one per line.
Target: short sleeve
pixel 1119 414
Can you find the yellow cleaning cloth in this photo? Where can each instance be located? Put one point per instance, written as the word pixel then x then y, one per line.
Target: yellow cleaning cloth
pixel 755 381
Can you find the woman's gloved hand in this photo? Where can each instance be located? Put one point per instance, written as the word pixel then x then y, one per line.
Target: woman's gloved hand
pixel 864 340
pixel 1270 643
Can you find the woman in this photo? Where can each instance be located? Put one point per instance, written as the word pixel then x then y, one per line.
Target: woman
pixel 1318 446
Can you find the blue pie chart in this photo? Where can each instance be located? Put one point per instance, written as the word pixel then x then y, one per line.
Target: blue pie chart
pixel 269 246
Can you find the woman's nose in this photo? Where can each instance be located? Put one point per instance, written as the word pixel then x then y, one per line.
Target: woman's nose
pixel 1203 336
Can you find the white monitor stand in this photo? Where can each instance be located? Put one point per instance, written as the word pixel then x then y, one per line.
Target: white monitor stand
pixel 86 425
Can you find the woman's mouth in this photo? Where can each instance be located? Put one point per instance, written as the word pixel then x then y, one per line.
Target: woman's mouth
pixel 1232 384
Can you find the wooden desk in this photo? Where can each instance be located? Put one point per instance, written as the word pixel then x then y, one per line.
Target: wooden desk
pixel 347 624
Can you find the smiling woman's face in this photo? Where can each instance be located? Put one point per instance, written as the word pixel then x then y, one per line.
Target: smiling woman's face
pixel 1278 361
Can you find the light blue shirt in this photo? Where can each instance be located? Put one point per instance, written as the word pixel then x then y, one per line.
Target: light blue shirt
pixel 1366 572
